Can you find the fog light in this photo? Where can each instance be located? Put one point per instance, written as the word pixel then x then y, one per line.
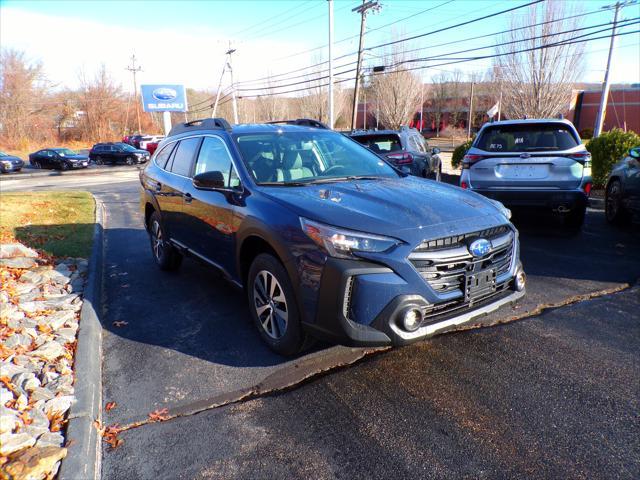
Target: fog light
pixel 521 280
pixel 411 319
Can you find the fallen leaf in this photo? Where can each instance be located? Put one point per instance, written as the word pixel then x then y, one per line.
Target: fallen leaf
pixel 25 418
pixel 120 323
pixel 159 415
pixel 110 406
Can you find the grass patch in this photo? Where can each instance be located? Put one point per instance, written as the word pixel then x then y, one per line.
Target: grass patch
pixel 58 223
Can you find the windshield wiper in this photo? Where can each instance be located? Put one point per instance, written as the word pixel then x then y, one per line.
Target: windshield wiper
pixel 283 184
pixel 343 179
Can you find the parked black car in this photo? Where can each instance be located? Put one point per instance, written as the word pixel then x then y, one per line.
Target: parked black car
pixel 58 158
pixel 10 163
pixel 103 153
pixel 327 239
pixel 405 148
pixel 622 196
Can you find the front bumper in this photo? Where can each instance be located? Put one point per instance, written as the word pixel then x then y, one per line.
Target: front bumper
pixel 16 167
pixel 553 199
pixel 376 296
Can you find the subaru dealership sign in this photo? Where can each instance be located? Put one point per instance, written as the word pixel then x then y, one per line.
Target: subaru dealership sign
pixel 164 98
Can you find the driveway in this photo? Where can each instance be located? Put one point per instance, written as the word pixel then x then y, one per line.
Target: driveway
pixel 552 395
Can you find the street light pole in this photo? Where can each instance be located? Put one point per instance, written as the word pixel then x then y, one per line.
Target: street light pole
pixel 331 112
pixel 362 10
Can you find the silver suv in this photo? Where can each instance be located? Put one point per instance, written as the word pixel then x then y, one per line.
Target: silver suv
pixel 531 163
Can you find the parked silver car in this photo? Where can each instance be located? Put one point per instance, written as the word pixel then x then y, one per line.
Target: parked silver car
pixel 531 163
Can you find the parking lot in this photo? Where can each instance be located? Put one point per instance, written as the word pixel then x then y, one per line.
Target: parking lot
pixel 504 401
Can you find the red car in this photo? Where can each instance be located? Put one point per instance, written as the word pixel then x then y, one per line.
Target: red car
pixel 151 147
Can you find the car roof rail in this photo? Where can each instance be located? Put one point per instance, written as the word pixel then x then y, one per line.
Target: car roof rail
pixel 202 124
pixel 306 122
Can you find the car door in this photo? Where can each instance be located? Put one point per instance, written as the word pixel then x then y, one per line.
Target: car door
pixel 50 159
pixel 209 213
pixel 632 181
pixel 171 188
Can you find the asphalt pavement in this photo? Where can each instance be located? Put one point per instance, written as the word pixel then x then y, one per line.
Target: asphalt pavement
pixel 549 396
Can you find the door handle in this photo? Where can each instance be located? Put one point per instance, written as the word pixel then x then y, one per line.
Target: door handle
pixel 187 197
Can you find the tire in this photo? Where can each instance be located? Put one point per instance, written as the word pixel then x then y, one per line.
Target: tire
pixel 165 254
pixel 614 211
pixel 36 164
pixel 99 160
pixel 575 218
pixel 64 166
pixel 273 307
pixel 129 161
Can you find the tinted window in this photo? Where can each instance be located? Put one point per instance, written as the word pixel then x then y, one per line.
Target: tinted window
pixel 533 137
pixel 214 157
pixel 182 160
pixel 163 155
pixel 381 143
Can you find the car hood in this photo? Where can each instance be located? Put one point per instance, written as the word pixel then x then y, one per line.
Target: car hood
pixel 10 158
pixel 408 208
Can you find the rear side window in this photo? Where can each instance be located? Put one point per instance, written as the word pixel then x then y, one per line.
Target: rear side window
pixel 384 143
pixel 214 157
pixel 163 155
pixel 183 158
pixel 533 137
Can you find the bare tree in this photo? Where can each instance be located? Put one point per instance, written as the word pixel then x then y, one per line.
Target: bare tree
pixel 22 98
pixel 439 97
pixel 537 83
pixel 100 100
pixel 271 107
pixel 396 90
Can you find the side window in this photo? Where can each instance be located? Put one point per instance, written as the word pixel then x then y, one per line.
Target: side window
pixel 214 157
pixel 183 158
pixel 163 155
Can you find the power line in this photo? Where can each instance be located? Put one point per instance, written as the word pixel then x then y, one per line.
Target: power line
pixel 323 77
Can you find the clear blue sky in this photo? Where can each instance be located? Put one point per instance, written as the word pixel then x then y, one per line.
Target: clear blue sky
pixel 184 41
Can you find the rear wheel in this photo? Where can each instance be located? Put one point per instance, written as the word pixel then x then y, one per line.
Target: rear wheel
pixel 99 160
pixel 613 208
pixel 165 254
pixel 273 306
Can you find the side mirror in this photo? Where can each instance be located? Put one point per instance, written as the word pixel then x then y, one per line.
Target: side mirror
pixel 211 180
pixel 435 151
pixel 635 153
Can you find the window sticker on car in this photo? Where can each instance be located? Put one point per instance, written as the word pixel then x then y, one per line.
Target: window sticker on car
pixel 495 146
pixel 519 140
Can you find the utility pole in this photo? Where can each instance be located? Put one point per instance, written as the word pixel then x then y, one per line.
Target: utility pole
pixel 362 10
pixel 470 112
pixel 133 69
pixel 421 103
pixel 605 87
pixel 331 112
pixel 215 105
pixel 233 87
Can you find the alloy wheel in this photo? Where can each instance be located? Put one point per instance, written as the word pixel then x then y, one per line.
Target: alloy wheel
pixel 270 304
pixel 129 161
pixel 157 241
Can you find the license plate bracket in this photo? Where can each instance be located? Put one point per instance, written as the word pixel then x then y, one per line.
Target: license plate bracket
pixel 479 284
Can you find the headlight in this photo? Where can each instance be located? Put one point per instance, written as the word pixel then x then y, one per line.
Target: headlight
pixel 503 210
pixel 6 163
pixel 342 243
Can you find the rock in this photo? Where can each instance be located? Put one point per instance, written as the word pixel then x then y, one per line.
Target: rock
pixel 35 432
pixel 35 462
pixel 31 307
pixel 5 396
pixel 77 285
pixel 49 376
pixel 32 277
pixel 22 402
pixel 58 319
pixel 64 269
pixel 48 439
pixel 16 340
pixel 59 404
pixel 11 250
pixel 11 442
pixel 18 262
pixel 62 385
pixel 8 419
pixel 41 393
pixel 67 334
pixel 24 288
pixel 29 297
pixel 66 301
pixel 26 381
pixel 11 312
pixel 38 418
pixel 55 277
pixel 11 369
pixel 50 351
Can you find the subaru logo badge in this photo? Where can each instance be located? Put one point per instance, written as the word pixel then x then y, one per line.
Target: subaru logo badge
pixel 164 93
pixel 480 247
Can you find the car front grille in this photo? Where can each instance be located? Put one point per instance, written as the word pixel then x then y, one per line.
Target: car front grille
pixel 452 272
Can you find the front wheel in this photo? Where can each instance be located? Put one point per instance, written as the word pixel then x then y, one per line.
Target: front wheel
pixel 64 166
pixel 99 160
pixel 273 306
pixel 129 160
pixel 613 209
pixel 165 254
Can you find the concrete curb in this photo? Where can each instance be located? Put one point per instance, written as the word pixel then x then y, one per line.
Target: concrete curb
pixel 58 173
pixel 84 444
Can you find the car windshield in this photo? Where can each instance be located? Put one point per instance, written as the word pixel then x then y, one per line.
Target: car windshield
pixel 534 137
pixel 283 158
pixel 64 152
pixel 2 154
pixel 380 143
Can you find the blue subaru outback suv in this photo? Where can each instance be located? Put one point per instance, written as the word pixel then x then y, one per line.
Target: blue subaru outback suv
pixel 326 238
